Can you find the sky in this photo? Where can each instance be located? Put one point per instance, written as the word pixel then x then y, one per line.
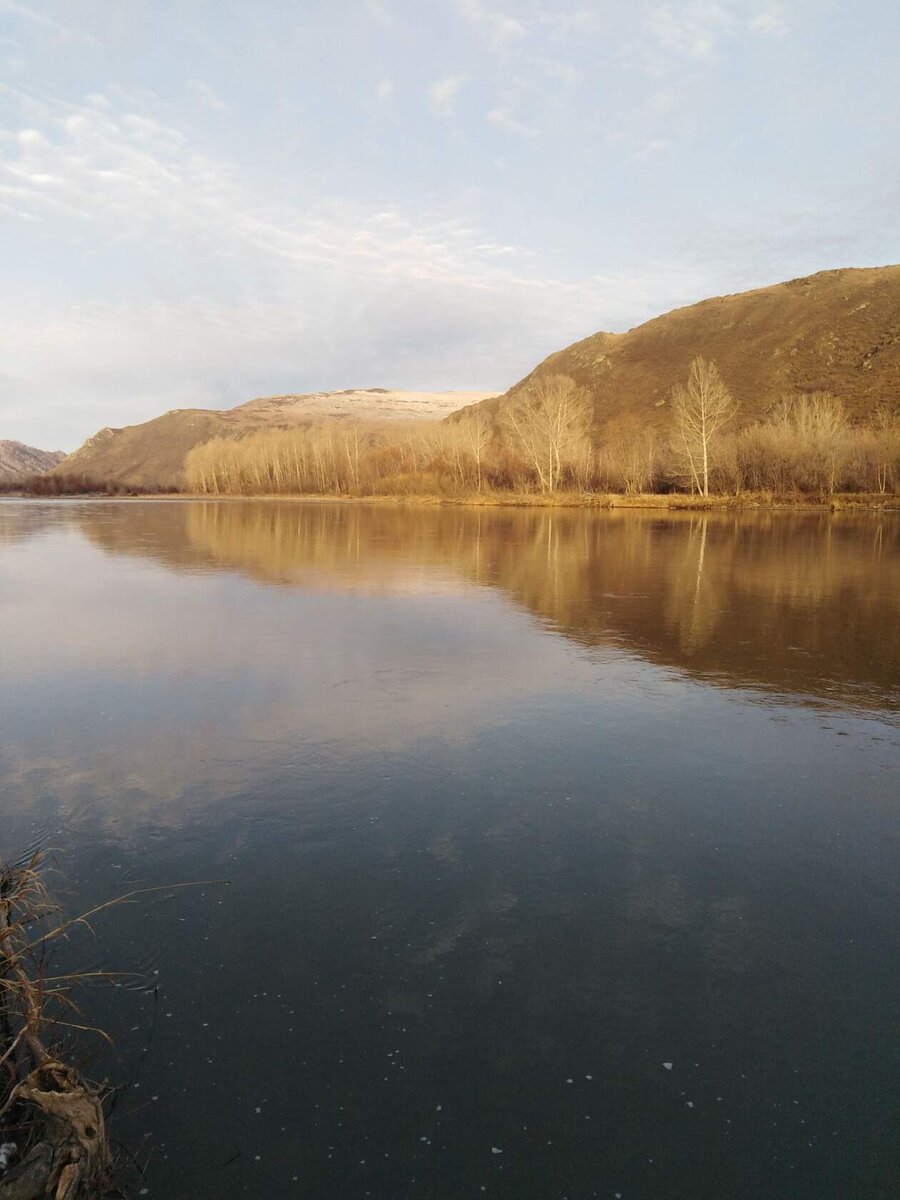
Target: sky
pixel 203 201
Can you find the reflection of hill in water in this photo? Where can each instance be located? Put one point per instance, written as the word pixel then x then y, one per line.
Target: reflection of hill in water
pixel 801 603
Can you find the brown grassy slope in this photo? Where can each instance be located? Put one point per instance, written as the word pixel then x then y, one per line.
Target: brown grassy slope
pixel 147 455
pixel 836 331
pixel 152 454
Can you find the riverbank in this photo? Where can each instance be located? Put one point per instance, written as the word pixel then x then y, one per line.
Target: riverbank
pixel 674 501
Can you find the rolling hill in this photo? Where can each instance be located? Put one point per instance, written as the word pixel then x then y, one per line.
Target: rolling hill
pixel 152 454
pixel 836 331
pixel 18 461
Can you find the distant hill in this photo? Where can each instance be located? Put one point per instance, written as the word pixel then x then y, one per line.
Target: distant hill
pixel 836 331
pixel 152 454
pixel 18 461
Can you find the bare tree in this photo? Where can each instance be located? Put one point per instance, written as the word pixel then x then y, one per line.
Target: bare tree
pixel 549 420
pixel 478 433
pixel 820 421
pixel 632 456
pixel 886 445
pixel 700 410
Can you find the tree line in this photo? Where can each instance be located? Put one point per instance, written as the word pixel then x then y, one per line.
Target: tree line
pixel 74 484
pixel 543 441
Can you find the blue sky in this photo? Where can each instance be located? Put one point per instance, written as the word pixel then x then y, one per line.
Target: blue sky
pixel 204 200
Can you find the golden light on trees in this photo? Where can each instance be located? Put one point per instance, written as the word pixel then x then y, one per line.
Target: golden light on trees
pixel 700 411
pixel 549 420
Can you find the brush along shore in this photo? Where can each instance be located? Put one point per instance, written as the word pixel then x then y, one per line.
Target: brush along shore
pixel 682 501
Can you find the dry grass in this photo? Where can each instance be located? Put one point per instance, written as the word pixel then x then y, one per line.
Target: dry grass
pixel 52 1114
pixel 48 1111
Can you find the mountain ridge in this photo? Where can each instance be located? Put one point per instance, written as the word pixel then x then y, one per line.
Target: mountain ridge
pixel 19 462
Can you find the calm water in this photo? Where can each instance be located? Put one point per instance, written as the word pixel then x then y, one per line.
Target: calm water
pixel 517 808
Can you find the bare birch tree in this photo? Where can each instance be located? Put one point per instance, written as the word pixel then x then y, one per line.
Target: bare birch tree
pixel 549 421
pixel 478 436
pixel 700 411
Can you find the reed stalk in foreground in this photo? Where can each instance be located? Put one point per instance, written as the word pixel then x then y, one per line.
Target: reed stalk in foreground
pixel 53 1143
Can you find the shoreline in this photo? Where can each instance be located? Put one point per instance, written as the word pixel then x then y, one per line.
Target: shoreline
pixel 673 502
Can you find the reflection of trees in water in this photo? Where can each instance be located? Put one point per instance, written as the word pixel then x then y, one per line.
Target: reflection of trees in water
pixel 803 602
pixel 19 521
pixel 694 599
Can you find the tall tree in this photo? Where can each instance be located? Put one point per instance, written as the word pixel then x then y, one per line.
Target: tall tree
pixel 549 420
pixel 700 410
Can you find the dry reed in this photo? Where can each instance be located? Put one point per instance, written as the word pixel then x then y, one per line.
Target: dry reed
pixel 51 1119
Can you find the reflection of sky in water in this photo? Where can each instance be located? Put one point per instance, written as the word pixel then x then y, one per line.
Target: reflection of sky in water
pixel 471 859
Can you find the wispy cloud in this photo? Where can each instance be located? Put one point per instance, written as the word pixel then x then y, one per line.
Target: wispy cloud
pixel 29 14
pixel 505 119
pixel 380 12
pixel 769 22
pixel 650 149
pixel 443 93
pixel 661 103
pixel 384 89
pixel 639 149
pixel 500 27
pixel 692 29
pixel 117 181
pixel 119 170
pixel 207 95
pixel 580 20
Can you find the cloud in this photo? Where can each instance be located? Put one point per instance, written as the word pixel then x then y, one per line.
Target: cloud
pixel 769 22
pixel 504 119
pixel 692 30
pixel 576 21
pixel 249 295
pixel 384 89
pixel 207 96
pixel 565 72
pixel 65 32
pixel 650 149
pixel 380 13
pixel 661 103
pixel 499 27
pixel 443 93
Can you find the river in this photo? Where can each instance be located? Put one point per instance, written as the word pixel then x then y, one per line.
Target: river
pixel 539 853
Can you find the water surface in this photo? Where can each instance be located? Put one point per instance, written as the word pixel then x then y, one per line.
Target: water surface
pixel 517 808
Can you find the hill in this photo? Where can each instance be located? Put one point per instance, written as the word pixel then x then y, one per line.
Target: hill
pixel 152 454
pixel 18 461
pixel 836 331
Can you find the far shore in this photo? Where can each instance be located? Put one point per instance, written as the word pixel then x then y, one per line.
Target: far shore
pixel 670 502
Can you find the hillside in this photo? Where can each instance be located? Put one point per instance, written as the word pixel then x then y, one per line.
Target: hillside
pixel 18 461
pixel 152 454
pixel 836 331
